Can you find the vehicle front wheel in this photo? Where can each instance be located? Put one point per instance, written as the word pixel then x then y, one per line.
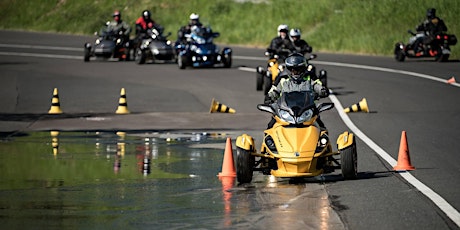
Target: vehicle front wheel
pixel 181 62
pixel 399 53
pixel 227 60
pixel 349 162
pixel 87 55
pixel 267 85
pixel 244 165
pixel 140 56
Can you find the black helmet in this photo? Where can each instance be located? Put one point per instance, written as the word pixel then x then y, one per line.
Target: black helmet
pixel 431 13
pixel 116 13
pixel 146 14
pixel 297 65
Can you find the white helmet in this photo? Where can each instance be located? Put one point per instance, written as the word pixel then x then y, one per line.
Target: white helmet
pixel 295 33
pixel 283 27
pixel 194 16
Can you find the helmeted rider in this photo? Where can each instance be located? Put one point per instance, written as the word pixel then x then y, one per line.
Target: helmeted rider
pixel 282 42
pixel 300 44
pixel 145 22
pixel 431 27
pixel 119 26
pixel 194 21
pixel 299 80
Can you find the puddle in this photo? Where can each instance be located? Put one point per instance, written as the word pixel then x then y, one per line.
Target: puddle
pixel 107 180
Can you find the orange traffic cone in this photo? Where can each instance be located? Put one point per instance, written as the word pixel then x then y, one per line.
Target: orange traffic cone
pixel 451 80
pixel 403 156
pixel 228 166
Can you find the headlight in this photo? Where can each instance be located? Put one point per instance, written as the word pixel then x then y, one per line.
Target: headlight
pixel 270 143
pixel 306 116
pixel 271 63
pixel 98 41
pixel 286 116
pixel 156 51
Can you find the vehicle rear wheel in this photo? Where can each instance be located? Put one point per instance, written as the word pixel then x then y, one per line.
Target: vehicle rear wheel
pixel 244 165
pixel 349 162
pixel 259 81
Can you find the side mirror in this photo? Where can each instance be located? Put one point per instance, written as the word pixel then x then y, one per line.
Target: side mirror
pixel 325 106
pixel 266 108
pixel 216 34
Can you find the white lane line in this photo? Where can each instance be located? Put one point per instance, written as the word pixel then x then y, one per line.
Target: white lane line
pixel 425 76
pixel 42 55
pixel 19 46
pixel 450 211
pixel 442 204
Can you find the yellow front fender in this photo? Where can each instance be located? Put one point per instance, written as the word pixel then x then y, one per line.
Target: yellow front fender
pixel 345 140
pixel 245 142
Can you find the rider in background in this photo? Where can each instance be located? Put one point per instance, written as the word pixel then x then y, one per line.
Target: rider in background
pixel 299 80
pixel 431 27
pixel 300 44
pixel 282 41
pixel 145 22
pixel 119 26
pixel 194 20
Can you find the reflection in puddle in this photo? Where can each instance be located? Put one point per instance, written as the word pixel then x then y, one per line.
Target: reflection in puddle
pixel 106 180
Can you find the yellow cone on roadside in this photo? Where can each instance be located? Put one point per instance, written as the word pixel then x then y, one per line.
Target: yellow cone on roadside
pixel 361 106
pixel 220 108
pixel 55 105
pixel 122 103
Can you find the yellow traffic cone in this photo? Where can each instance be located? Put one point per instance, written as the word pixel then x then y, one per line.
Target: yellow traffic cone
pixel 220 108
pixel 55 105
pixel 361 106
pixel 122 103
pixel 55 142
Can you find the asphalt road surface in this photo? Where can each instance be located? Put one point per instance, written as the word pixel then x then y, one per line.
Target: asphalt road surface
pixel 413 96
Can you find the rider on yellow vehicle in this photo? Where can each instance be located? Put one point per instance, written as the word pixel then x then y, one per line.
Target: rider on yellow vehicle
pixel 299 80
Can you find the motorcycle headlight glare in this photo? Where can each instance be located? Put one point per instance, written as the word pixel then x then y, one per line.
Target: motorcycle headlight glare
pixel 286 116
pixel 168 42
pixel 156 51
pixel 205 58
pixel 323 140
pixel 306 116
pixel 271 63
pixel 98 41
pixel 118 41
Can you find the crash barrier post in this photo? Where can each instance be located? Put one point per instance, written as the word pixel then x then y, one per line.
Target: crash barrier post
pixel 403 155
pixel 228 166
pixel 122 103
pixel 361 106
pixel 55 105
pixel 220 108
